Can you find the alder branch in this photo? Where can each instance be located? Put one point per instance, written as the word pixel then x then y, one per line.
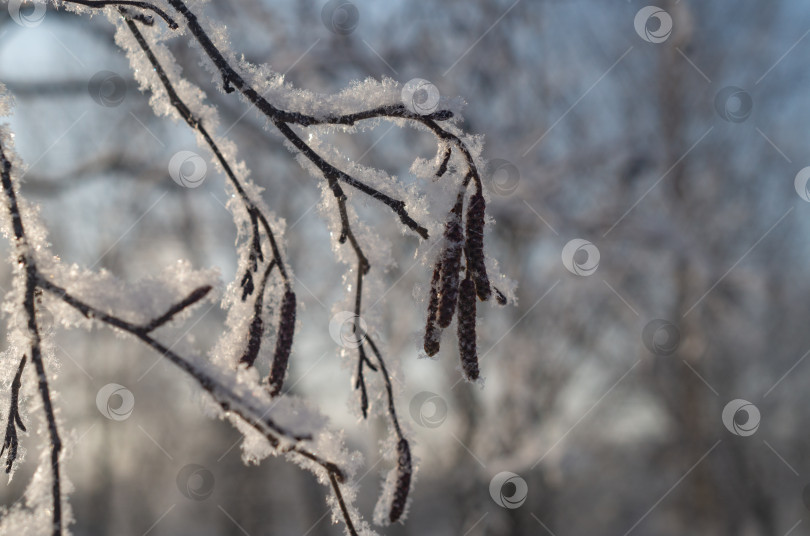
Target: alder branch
pixel 473 248
pixel 280 118
pixel 449 290
pixel 29 268
pixel 256 330
pixel 224 397
pixel 130 3
pixel 228 401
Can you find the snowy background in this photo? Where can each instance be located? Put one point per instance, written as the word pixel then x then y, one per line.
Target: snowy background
pixel 604 393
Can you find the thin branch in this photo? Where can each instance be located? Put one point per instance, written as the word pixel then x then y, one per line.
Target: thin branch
pixel 11 442
pixel 228 400
pixel 190 300
pixel 339 496
pixel 225 398
pixel 29 305
pixel 196 124
pixel 141 5
pixel 256 216
pixel 232 80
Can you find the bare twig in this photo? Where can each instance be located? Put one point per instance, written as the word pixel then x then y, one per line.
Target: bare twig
pixel 11 442
pixel 30 273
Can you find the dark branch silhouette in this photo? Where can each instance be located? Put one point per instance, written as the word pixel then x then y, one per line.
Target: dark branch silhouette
pixel 29 268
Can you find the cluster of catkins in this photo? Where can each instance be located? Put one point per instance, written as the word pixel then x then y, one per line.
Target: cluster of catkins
pixel 286 326
pixel 449 292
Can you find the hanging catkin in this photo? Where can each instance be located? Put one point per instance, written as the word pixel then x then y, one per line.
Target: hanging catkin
pixel 433 333
pixel 451 260
pixel 475 245
pixel 466 329
pixel 403 484
pixel 255 334
pixel 284 340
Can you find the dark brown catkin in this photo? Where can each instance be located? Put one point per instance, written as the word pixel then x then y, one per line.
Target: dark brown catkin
pixel 284 340
pixel 255 334
pixel 432 332
pixel 403 484
pixel 466 329
pixel 451 260
pixel 475 245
